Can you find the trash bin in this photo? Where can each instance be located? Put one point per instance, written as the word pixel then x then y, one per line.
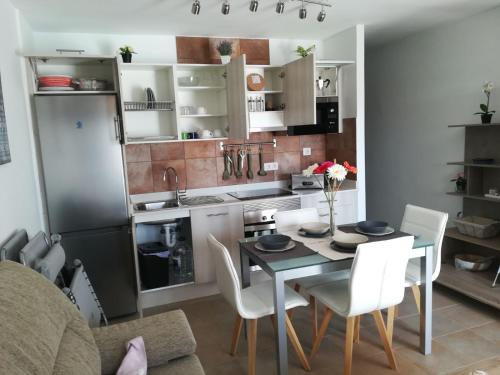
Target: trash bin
pixel 154 264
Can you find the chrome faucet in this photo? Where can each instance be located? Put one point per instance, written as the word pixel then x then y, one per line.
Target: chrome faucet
pixel 177 191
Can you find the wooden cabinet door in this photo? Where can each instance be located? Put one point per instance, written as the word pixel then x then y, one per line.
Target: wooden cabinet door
pixel 225 223
pixel 299 92
pixel 237 108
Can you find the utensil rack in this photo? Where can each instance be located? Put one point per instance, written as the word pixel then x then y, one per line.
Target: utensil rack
pixel 166 105
pixel 223 146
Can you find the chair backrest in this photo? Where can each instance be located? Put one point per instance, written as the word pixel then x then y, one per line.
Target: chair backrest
pixel 226 275
pixel 378 275
pixel 11 248
pixel 37 248
pixel 429 225
pixel 291 220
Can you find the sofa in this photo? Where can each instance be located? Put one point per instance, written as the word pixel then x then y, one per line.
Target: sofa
pixel 42 332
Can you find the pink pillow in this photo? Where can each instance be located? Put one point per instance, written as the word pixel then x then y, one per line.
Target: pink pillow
pixel 135 361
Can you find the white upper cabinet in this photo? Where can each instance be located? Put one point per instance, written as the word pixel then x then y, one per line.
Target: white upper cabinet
pixel 300 92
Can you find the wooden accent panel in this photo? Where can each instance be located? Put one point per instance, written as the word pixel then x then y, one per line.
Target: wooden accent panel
pixel 257 51
pixel 237 109
pixel 192 50
pixel 342 146
pixel 202 50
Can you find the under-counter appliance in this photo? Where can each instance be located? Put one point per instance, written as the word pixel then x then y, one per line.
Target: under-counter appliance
pixel 85 191
pixel 301 182
pixel 327 118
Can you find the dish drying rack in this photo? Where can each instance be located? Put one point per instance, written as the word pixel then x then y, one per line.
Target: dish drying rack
pixel 165 105
pixel 224 146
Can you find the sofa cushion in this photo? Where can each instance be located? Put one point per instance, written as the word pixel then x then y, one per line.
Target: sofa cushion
pixel 182 366
pixel 36 320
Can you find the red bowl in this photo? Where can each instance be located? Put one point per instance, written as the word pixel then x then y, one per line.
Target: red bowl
pixel 54 81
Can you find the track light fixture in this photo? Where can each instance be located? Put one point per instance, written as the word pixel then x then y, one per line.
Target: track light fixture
pixel 225 7
pixel 321 15
pixel 280 7
pixel 302 12
pixel 254 5
pixel 195 8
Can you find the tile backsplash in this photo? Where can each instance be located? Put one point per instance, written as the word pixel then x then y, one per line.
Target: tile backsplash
pixel 200 164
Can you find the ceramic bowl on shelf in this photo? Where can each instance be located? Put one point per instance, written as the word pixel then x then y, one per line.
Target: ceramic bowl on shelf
pixel 189 81
pixel 315 228
pixel 472 262
pixel 348 240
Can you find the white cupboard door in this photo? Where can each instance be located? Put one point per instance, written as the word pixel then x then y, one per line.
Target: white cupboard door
pixel 226 225
pixel 300 92
pixel 237 108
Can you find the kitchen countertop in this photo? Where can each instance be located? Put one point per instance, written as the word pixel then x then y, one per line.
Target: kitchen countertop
pixel 220 192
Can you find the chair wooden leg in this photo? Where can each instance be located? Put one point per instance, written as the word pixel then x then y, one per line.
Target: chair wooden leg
pixel 396 311
pixel 252 345
pixel 416 293
pixel 321 332
pixel 314 317
pixel 391 312
pixel 296 344
pixel 357 328
pixel 236 334
pixel 349 335
pixel 377 315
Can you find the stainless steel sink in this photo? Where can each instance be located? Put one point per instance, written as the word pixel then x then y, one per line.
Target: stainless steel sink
pixel 159 205
pixel 202 199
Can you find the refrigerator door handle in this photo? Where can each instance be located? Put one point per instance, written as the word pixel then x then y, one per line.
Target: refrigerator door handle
pixel 117 129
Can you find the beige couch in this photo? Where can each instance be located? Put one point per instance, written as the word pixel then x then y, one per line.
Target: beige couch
pixel 42 332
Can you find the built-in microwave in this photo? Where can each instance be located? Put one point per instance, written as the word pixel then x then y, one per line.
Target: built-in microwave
pixel 327 118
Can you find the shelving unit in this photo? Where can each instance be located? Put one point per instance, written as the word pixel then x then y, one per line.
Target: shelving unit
pixel 481 141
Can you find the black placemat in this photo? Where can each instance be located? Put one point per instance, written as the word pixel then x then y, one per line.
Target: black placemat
pixel 352 229
pixel 300 250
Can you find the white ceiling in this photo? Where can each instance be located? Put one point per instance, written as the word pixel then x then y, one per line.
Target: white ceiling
pixel 384 19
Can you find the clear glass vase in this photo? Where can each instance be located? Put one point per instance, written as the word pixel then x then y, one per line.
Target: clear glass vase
pixel 333 227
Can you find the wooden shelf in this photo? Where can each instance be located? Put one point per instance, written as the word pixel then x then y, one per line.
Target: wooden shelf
pixel 477 165
pixel 76 92
pixel 490 243
pixel 475 125
pixel 476 285
pixel 470 196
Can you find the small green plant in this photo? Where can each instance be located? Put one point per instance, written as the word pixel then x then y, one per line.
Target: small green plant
pixel 126 50
pixel 304 52
pixel 485 108
pixel 225 48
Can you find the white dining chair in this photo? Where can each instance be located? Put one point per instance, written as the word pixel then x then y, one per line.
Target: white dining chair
pixel 291 221
pixel 251 304
pixel 377 281
pixel 429 225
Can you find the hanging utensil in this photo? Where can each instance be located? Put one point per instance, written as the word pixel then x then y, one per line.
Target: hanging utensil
pixel 261 171
pixel 227 166
pixel 241 161
pixel 249 165
pixel 232 161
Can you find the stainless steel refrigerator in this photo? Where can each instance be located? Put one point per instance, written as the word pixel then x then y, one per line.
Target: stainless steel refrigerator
pixel 85 192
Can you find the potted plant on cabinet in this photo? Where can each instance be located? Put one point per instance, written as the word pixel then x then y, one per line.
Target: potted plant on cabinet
pixel 304 52
pixel 485 113
pixel 225 49
pixel 126 52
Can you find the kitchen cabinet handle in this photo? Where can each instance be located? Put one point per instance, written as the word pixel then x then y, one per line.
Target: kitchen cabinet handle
pixel 219 214
pixel 324 215
pixel 117 129
pixel 335 200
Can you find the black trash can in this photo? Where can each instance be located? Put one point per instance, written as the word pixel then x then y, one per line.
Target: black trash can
pixel 153 264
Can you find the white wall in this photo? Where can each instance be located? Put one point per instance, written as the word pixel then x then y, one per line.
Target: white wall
pixel 415 88
pixel 150 48
pixel 18 191
pixel 350 45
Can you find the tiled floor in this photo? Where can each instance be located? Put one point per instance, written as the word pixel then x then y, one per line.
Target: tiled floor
pixel 466 338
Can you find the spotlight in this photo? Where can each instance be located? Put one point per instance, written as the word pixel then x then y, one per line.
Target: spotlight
pixel 321 16
pixel 225 7
pixel 280 7
pixel 254 4
pixel 302 12
pixel 195 9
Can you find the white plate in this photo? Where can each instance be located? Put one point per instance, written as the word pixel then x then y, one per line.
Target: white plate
pixel 56 88
pixel 349 240
pixel 315 228
pixel 311 235
pixel 290 246
pixel 388 230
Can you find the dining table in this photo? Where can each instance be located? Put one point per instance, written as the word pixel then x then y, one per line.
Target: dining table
pixel 314 256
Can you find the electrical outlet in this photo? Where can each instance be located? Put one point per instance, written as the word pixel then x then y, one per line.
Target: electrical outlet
pixel 270 166
pixel 306 151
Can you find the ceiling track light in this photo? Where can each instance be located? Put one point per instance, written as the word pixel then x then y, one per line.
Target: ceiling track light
pixel 302 12
pixel 254 5
pixel 321 15
pixel 195 8
pixel 280 7
pixel 225 7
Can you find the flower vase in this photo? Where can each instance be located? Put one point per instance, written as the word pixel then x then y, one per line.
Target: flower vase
pixel 225 59
pixel 332 221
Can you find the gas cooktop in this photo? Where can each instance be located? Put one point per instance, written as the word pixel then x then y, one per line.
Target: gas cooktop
pixel 261 193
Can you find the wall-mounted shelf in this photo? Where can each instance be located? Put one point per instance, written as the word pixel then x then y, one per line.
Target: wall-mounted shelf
pixel 474 196
pixel 75 92
pixel 477 165
pixel 266 92
pixel 490 243
pixel 475 125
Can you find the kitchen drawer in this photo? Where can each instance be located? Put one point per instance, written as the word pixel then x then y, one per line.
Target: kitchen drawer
pixel 345 214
